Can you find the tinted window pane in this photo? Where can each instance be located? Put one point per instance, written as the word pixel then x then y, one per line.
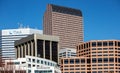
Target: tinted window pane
pixel 71 61
pixel 105 59
pixel 111 59
pixel 82 60
pixel 99 43
pixel 118 43
pixel 77 61
pixel 104 43
pixel 93 60
pixel 93 44
pixel 99 60
pixel 110 43
pixel 66 61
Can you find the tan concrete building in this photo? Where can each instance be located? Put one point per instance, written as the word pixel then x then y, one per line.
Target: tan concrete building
pixel 64 22
pixel 104 57
pixel 44 46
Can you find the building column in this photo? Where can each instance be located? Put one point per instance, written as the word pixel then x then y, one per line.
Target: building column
pixel 25 49
pixel 43 48
pixel 50 50
pixel 21 51
pixel 18 51
pixel 28 48
pixel 32 48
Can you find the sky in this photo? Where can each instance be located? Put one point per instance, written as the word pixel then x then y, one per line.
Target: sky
pixel 101 18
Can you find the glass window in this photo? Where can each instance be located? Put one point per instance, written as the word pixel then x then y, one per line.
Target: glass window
pixel 93 60
pixel 105 59
pixel 93 48
pixel 41 62
pixel 82 60
pixel 29 65
pixel 33 60
pixel 38 61
pixel 110 43
pixel 104 43
pixel 99 60
pixel 99 43
pixel 111 59
pixel 88 60
pixel 99 48
pixel 71 61
pixel 77 61
pixel 105 48
pixel 93 44
pixel 66 61
pixel 119 60
pixel 119 44
pixel 94 72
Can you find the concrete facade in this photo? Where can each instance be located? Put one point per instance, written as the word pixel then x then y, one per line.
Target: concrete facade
pixel 44 46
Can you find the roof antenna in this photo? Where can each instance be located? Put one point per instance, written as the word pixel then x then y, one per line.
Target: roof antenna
pixel 20 25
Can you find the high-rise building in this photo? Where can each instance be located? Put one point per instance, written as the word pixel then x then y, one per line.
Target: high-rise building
pixel 44 46
pixel 96 56
pixel 64 22
pixel 9 36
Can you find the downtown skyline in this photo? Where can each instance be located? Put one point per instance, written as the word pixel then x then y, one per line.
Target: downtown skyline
pixel 101 18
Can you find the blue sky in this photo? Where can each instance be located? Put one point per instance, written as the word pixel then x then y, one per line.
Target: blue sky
pixel 101 18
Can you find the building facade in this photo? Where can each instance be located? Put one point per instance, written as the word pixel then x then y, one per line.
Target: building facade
pixel 44 46
pixel 67 53
pixel 31 64
pixel 104 57
pixel 64 22
pixel 9 36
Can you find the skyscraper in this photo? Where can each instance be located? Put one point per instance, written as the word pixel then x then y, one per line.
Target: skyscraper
pixel 64 22
pixel 9 36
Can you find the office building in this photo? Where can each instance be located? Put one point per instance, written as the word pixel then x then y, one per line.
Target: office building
pixel 67 53
pixel 9 36
pixel 44 46
pixel 31 64
pixel 67 23
pixel 103 56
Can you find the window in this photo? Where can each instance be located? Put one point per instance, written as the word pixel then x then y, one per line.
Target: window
pixel 105 59
pixel 38 61
pixel 66 61
pixel 71 61
pixel 104 43
pixel 88 60
pixel 119 60
pixel 93 60
pixel 33 60
pixel 99 48
pixel 105 48
pixel 94 72
pixel 93 48
pixel 41 62
pixel 82 60
pixel 110 43
pixel 77 61
pixel 29 65
pixel 119 44
pixel 93 44
pixel 111 59
pixel 99 60
pixel 99 43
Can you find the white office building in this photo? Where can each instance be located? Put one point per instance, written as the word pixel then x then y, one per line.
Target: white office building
pixel 9 36
pixel 67 53
pixel 34 65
